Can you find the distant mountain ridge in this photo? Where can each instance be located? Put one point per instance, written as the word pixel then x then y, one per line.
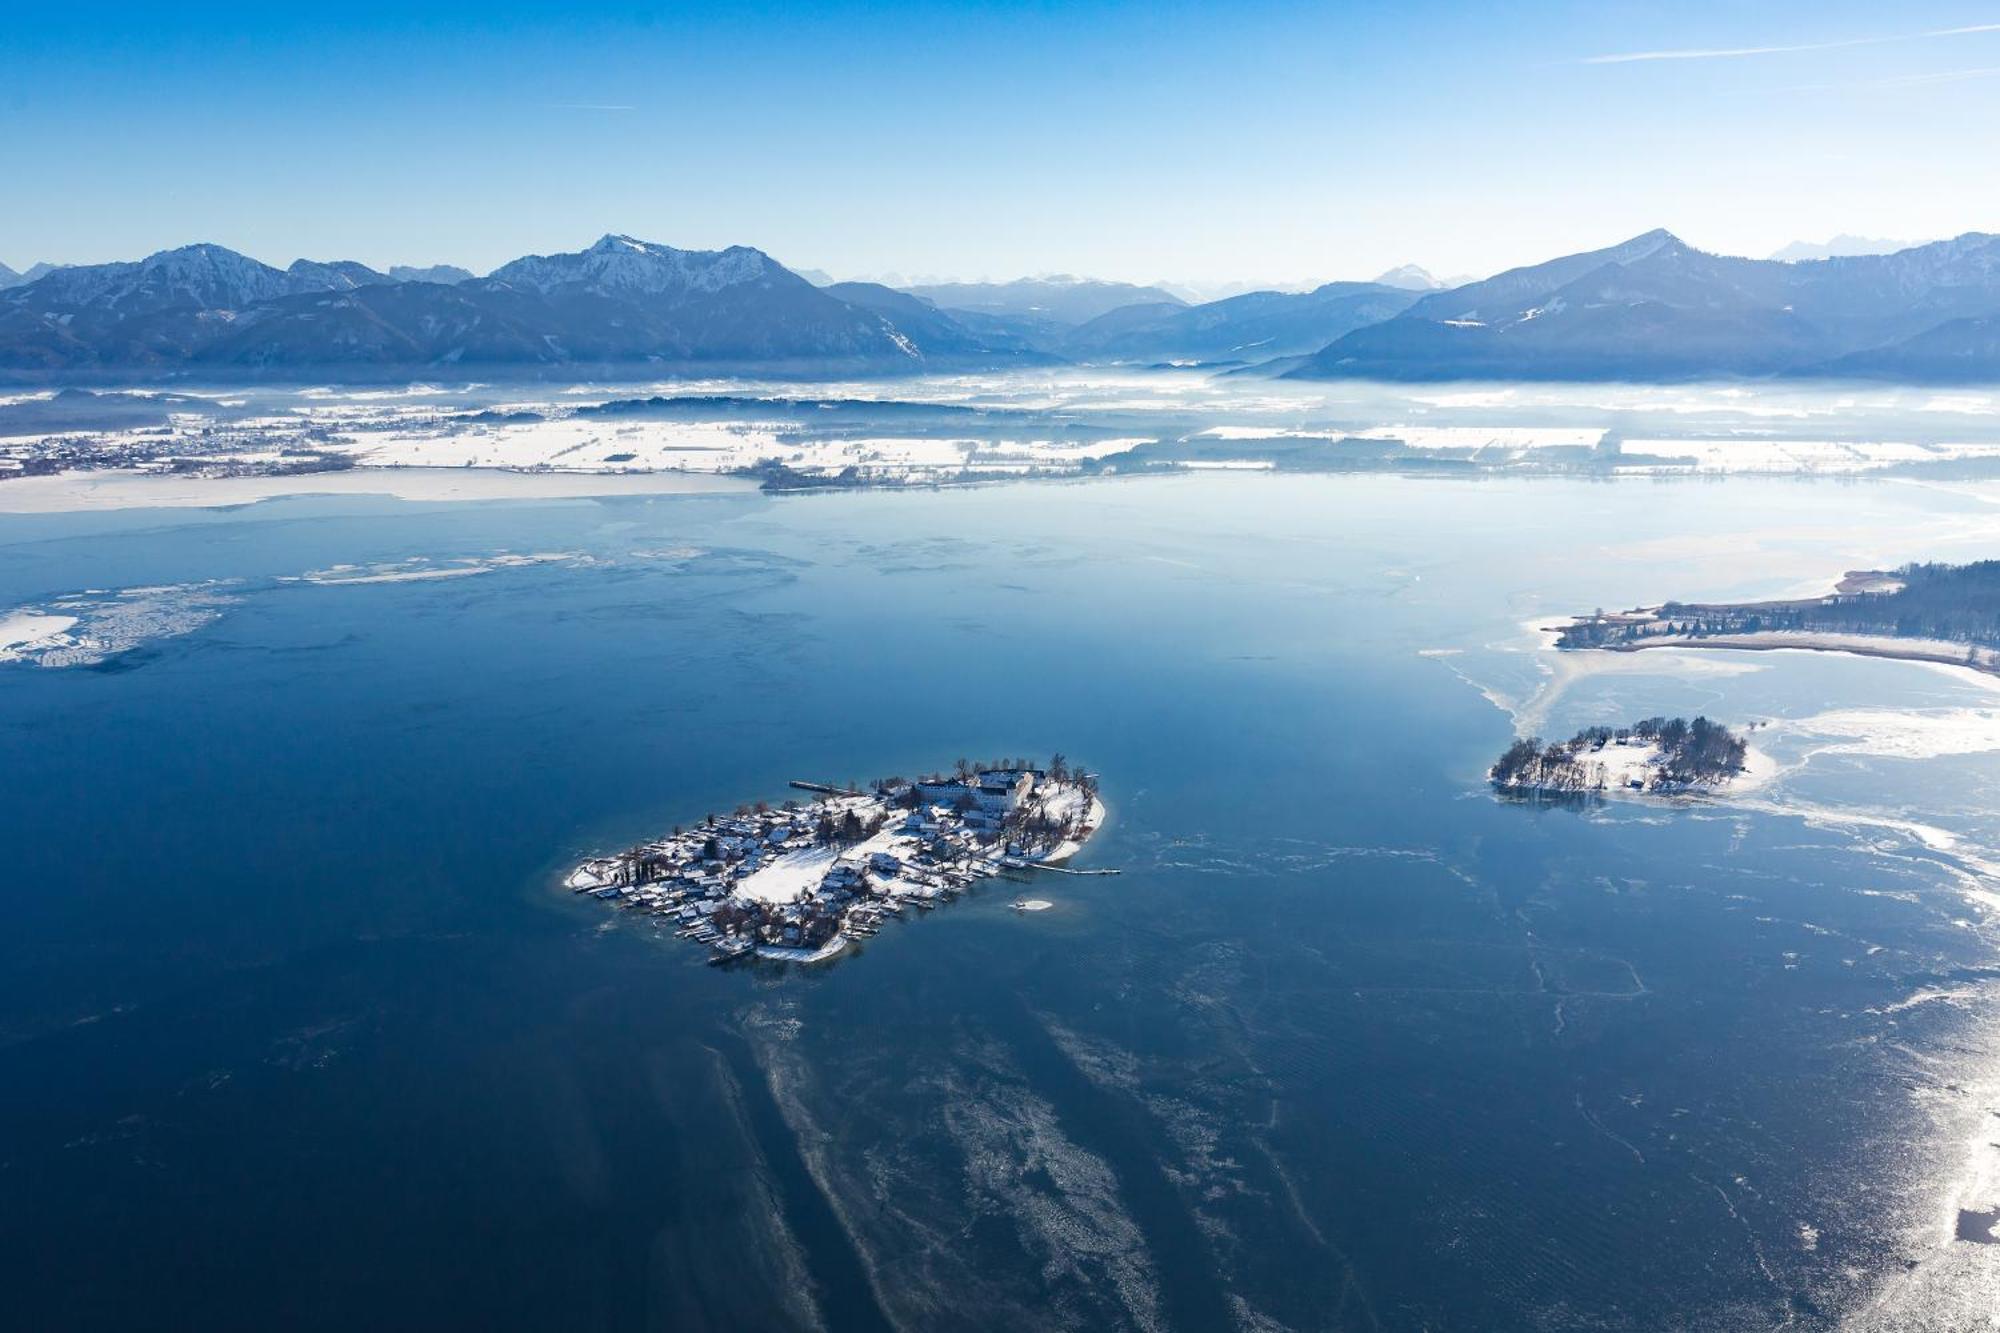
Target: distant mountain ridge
pixel 1412 277
pixel 338 274
pixel 1842 246
pixel 1654 308
pixel 1060 299
pixel 1256 326
pixel 447 274
pixel 11 278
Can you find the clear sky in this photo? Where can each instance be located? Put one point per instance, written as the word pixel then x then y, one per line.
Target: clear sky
pixel 1249 140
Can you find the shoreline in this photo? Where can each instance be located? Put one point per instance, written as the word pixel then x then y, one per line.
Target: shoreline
pixel 1936 652
pixel 128 488
pixel 1093 820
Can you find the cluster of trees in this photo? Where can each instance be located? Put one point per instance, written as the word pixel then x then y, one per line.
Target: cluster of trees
pixel 1956 603
pixel 1528 765
pixel 1694 752
pixel 1033 826
pixel 767 923
pixel 1691 754
pixel 850 828
pixel 1683 621
pixel 1059 768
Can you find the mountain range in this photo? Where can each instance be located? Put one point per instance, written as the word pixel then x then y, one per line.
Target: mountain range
pixel 622 303
pixel 1256 326
pixel 1648 309
pixel 1654 308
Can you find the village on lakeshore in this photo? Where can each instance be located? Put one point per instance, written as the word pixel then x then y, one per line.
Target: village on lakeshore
pixel 800 881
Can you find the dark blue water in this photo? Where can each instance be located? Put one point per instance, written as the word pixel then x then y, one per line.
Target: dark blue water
pixel 296 1030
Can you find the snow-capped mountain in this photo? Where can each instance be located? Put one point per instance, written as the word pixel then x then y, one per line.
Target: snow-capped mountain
pixel 1411 278
pixel 625 299
pixel 207 277
pixel 623 266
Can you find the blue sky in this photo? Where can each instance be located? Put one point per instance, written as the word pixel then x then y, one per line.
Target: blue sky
pixel 1250 141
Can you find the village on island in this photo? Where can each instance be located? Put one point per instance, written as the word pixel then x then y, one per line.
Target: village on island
pixel 800 881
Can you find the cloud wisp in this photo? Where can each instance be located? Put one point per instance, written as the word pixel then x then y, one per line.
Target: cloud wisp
pixel 1740 52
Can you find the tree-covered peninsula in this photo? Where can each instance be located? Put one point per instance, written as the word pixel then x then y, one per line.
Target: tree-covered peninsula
pixel 1956 604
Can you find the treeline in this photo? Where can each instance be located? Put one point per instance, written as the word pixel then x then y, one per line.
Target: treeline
pixel 1960 603
pixel 1955 603
pixel 1691 754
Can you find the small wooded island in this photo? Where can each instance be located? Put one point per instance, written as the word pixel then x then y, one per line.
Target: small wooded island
pixel 799 882
pixel 1660 755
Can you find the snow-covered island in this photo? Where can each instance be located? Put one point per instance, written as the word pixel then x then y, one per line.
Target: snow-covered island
pixel 1660 755
pixel 799 881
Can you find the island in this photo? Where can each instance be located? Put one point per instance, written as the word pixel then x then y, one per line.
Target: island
pixel 1947 614
pixel 799 882
pixel 1659 755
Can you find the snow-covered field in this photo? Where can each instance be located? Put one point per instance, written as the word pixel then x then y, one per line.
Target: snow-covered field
pixel 1485 438
pixel 444 442
pixel 1797 456
pixel 25 632
pixel 784 879
pixel 595 444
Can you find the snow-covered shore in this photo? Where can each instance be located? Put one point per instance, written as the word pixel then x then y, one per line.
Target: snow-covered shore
pixel 1093 820
pixel 126 488
pixel 1858 645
